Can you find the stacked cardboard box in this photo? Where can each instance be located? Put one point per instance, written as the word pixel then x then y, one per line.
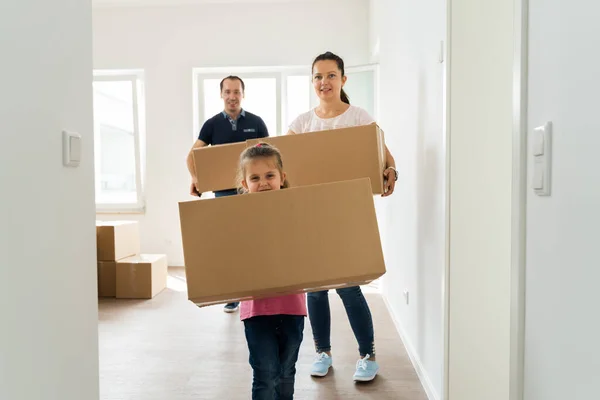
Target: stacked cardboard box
pixel 321 233
pixel 309 158
pixel 122 271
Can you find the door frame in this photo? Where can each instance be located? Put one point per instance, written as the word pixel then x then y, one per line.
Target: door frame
pixel 518 199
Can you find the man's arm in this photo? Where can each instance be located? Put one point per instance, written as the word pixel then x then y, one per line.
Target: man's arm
pixel 190 158
pixel 262 128
pixel 192 167
pixel 204 139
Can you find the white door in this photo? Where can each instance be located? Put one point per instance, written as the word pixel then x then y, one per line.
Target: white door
pixel 562 323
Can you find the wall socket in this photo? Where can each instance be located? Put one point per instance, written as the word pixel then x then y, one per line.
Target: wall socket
pixel 406 296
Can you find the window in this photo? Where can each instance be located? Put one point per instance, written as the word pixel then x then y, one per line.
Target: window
pixel 262 100
pixel 361 87
pixel 277 94
pixel 118 139
pixel 298 99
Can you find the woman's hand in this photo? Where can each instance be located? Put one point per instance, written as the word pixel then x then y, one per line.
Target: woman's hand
pixel 389 179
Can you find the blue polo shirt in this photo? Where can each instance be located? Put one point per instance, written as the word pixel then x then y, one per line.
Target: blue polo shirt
pixel 221 129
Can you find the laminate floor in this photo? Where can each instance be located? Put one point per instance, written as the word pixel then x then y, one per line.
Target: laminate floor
pixel 169 349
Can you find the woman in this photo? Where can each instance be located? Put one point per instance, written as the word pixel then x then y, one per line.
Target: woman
pixel 334 111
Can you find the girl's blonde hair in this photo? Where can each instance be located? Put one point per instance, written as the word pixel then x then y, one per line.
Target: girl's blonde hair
pixel 260 150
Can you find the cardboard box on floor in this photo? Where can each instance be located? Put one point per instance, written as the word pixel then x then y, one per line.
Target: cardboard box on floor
pixel 141 277
pixel 308 158
pixel 117 239
pixel 286 241
pixel 107 278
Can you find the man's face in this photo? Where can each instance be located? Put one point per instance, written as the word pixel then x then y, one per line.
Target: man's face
pixel 232 95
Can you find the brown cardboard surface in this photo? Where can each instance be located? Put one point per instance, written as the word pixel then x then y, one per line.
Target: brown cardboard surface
pixel 286 241
pixel 308 158
pixel 117 239
pixel 107 278
pixel 142 276
pixel 216 166
pixel 332 156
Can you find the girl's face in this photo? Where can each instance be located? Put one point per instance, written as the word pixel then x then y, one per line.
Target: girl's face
pixel 327 80
pixel 261 175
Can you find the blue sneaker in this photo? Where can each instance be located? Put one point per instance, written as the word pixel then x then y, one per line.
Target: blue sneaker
pixel 321 365
pixel 366 370
pixel 231 307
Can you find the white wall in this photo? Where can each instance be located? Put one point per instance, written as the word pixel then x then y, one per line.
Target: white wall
pixel 563 268
pixel 48 299
pixel 480 139
pixel 405 38
pixel 167 42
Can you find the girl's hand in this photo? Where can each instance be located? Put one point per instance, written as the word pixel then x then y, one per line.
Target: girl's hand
pixel 389 178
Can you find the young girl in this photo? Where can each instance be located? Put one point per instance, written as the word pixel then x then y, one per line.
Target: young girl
pixel 274 326
pixel 334 111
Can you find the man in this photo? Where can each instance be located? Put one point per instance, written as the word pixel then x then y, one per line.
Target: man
pixel 231 125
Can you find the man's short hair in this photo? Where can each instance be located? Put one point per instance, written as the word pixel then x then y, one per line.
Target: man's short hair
pixel 233 77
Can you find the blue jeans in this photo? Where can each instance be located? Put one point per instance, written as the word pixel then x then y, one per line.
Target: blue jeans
pixel 274 342
pixel 358 313
pixel 225 193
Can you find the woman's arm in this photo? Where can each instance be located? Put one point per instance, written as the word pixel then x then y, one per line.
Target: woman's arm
pixel 389 174
pixel 389 159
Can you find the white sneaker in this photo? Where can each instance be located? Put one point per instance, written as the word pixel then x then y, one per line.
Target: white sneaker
pixel 321 365
pixel 366 370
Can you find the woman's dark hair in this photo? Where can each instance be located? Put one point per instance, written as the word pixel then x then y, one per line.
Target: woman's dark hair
pixel 260 150
pixel 329 56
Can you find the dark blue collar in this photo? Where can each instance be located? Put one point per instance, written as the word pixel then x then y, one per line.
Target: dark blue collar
pixel 225 115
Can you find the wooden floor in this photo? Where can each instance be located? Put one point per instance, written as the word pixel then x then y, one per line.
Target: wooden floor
pixel 169 349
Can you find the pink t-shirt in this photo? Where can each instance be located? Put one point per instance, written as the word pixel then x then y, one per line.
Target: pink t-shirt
pixel 294 304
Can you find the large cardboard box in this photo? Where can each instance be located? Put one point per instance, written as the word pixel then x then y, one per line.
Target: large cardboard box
pixel 286 241
pixel 308 158
pixel 142 276
pixel 107 278
pixel 117 239
pixel 216 166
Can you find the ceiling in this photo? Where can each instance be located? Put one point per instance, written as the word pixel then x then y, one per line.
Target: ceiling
pixel 144 3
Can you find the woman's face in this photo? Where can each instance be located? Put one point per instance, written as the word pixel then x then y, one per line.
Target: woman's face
pixel 327 80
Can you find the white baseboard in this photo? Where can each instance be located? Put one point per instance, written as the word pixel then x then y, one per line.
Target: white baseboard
pixel 412 354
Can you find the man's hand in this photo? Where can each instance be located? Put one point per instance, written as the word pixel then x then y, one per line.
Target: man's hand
pixel 192 168
pixel 194 190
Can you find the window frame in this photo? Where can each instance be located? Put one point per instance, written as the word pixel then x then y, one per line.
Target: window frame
pixel 375 69
pixel 280 73
pixel 136 77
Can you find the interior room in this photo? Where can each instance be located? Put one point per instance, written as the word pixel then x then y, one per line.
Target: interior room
pixel 176 55
pixel 119 282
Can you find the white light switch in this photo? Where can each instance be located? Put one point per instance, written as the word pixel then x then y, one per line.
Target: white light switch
pixel 538 176
pixel 71 149
pixel 75 148
pixel 538 142
pixel 542 161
